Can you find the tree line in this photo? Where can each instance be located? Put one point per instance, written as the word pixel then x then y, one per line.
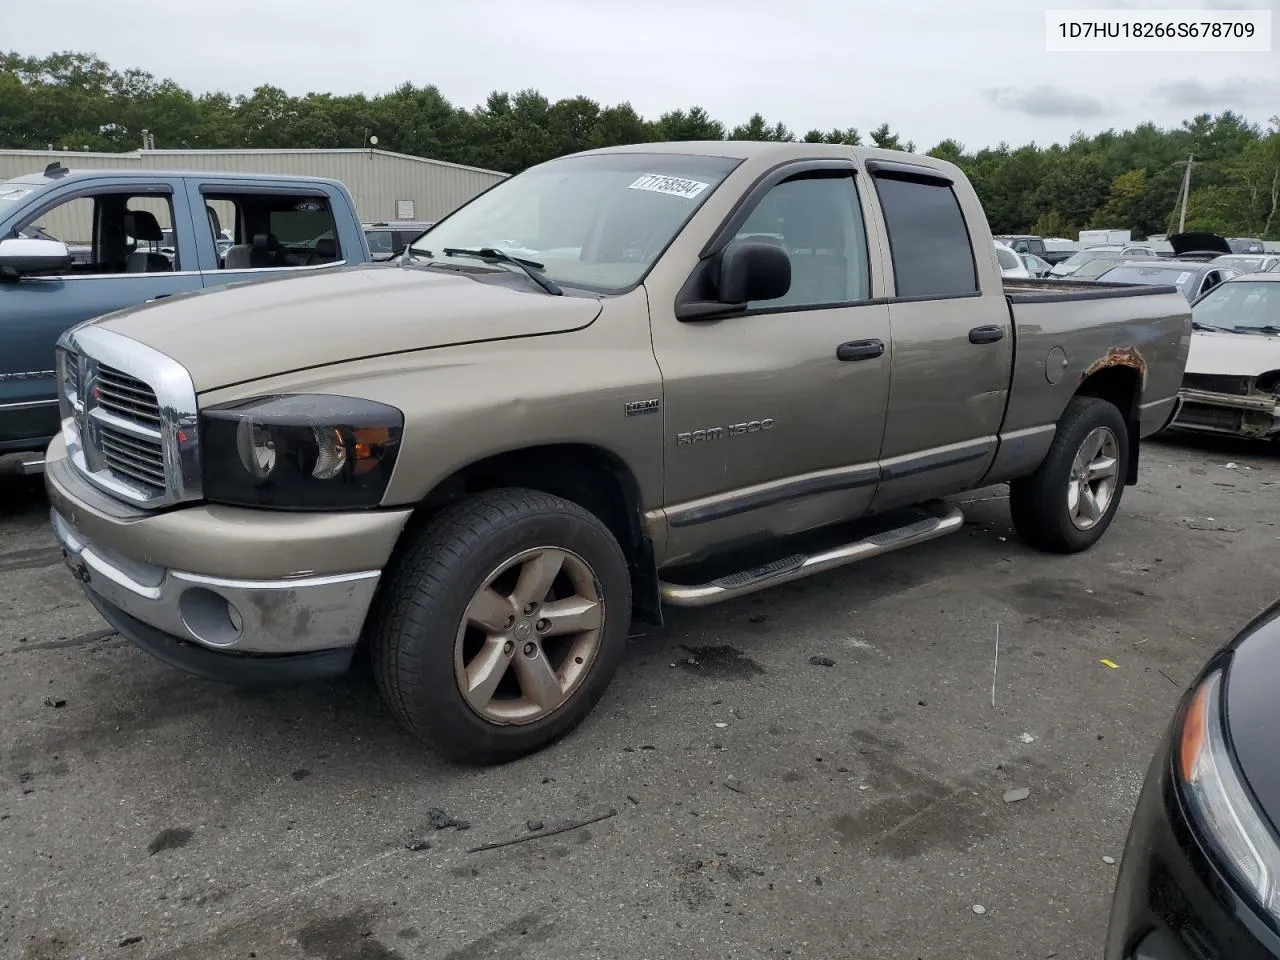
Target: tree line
pixel 1114 179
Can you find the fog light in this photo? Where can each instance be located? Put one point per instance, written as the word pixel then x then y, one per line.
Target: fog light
pixel 209 618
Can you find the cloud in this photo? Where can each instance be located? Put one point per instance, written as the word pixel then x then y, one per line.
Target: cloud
pixel 1236 94
pixel 1046 101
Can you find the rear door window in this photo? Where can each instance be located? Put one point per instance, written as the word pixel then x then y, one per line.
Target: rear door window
pixel 275 230
pixel 928 239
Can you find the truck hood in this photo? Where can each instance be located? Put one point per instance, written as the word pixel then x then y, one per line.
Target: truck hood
pixel 261 328
pixel 1233 354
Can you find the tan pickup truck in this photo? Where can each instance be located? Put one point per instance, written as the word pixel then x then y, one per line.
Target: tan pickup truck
pixel 662 374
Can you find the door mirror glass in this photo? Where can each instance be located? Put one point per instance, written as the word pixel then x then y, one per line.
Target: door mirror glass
pixel 24 255
pixel 753 270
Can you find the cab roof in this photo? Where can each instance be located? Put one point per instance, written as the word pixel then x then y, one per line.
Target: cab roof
pixel 770 152
pixel 64 174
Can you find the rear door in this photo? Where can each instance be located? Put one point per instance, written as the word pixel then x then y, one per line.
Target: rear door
pixel 114 270
pixel 952 337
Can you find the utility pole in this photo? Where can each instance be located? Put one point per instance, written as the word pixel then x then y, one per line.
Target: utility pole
pixel 1186 190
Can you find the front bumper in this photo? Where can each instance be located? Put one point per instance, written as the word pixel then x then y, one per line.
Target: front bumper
pixel 1256 416
pixel 188 585
pixel 1171 902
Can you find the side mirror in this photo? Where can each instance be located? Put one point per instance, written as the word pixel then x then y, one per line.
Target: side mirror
pixel 745 270
pixel 753 270
pixel 28 255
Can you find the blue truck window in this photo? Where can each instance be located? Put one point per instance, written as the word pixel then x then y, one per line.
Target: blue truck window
pixel 111 232
pixel 276 230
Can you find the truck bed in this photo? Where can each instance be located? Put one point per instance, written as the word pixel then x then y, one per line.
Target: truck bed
pixel 1067 330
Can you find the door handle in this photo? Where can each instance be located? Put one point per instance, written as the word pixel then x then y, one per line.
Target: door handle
pixel 986 334
pixel 154 299
pixel 860 350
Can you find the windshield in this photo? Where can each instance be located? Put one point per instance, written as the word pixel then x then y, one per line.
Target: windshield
pixel 1242 306
pixel 1246 264
pixel 1087 256
pixel 596 221
pixel 1096 267
pixel 1184 280
pixel 11 193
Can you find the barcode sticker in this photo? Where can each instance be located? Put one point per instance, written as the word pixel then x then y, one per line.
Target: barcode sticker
pixel 672 186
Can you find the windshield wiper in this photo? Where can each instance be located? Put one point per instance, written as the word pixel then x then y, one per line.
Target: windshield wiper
pixel 1201 325
pixel 531 267
pixel 1269 329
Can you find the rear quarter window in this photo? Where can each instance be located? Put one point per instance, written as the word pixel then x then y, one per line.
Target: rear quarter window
pixel 928 239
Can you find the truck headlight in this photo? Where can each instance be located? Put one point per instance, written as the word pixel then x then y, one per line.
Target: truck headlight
pixel 1220 803
pixel 299 452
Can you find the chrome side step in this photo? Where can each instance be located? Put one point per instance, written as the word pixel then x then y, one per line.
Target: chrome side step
pixel 31 467
pixel 946 518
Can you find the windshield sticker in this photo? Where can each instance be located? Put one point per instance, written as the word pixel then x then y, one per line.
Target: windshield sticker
pixel 1183 278
pixel 672 186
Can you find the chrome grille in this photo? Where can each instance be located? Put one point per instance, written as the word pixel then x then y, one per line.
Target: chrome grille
pixel 125 396
pixel 73 378
pixel 142 460
pixel 128 417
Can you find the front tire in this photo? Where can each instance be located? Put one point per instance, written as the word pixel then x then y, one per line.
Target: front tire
pixel 1069 502
pixel 501 624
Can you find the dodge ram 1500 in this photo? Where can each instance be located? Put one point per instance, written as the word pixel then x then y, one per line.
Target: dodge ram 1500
pixel 666 374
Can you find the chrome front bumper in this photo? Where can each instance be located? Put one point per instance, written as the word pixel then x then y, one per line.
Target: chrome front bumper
pixel 266 617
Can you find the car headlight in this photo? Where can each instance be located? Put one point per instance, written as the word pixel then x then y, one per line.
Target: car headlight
pixel 299 452
pixel 1220 802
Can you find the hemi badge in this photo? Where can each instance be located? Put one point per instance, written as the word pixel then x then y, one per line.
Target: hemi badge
pixel 638 408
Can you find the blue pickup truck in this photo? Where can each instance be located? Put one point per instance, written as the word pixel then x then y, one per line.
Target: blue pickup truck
pixel 75 244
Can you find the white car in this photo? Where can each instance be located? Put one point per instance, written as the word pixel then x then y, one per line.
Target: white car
pixel 1232 379
pixel 1249 262
pixel 1011 264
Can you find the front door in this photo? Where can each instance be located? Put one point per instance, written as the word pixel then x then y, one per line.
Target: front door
pixel 772 426
pixel 115 234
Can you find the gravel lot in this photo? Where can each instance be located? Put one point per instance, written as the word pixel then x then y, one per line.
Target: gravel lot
pixel 765 806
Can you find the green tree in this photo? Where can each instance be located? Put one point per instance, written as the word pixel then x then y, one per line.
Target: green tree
pixel 1127 178
pixel 1124 202
pixel 756 128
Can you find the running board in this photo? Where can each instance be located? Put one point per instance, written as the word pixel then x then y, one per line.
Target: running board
pixel 31 467
pixel 946 518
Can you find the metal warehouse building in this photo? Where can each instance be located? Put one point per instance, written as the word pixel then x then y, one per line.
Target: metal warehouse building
pixel 386 186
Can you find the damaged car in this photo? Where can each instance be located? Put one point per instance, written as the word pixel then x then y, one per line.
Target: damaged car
pixel 1232 381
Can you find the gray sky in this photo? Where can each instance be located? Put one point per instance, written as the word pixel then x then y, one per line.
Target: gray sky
pixel 976 70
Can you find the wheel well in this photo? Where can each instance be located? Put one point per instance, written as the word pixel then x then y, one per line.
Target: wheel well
pixel 1120 386
pixel 592 477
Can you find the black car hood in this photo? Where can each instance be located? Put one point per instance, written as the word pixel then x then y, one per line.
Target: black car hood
pixel 1253 708
pixel 1196 241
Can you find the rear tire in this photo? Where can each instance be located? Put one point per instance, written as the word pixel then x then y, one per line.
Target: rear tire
pixel 1069 502
pixel 501 624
